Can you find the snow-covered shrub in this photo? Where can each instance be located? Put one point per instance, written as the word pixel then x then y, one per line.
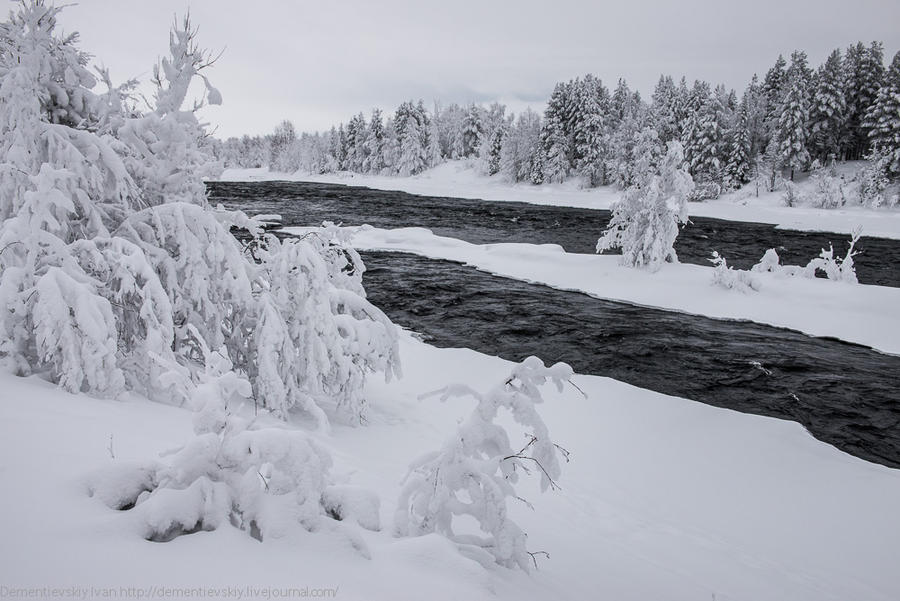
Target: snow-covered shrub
pixel 835 268
pixel 115 272
pixel 240 470
pixel 353 503
pixel 828 189
pixel 317 335
pixel 791 197
pixel 207 278
pixel 874 184
pixel 770 262
pixel 645 221
pixel 731 278
pixel 262 480
pixel 475 472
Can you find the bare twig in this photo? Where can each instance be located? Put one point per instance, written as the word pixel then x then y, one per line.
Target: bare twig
pixel 535 554
pixel 575 386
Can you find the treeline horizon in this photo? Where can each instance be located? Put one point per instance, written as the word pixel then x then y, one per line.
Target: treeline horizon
pixel 792 119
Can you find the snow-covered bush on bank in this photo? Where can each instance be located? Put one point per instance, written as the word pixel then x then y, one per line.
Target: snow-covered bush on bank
pixel 318 336
pixel 475 472
pixel 645 222
pixel 115 272
pixel 264 480
pixel 731 278
pixel 840 269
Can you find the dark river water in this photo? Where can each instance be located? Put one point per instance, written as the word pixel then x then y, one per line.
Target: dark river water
pixel 576 230
pixel 844 394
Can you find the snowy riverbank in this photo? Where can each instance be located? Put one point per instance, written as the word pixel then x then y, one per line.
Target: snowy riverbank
pixel 868 314
pixel 664 499
pixel 456 179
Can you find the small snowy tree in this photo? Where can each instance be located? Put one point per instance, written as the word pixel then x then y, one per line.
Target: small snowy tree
pixel 883 121
pixel 645 222
pixel 828 189
pixel 476 470
pixel 731 278
pixel 837 268
pixel 791 132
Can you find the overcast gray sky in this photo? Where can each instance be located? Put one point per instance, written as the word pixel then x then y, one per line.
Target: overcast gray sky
pixel 319 62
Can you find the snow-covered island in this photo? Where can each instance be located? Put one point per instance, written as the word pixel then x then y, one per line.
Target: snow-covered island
pixel 204 402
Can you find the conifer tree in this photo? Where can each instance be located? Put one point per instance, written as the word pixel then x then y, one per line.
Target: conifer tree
pixel 664 110
pixel 374 155
pixel 828 108
pixel 773 92
pixel 791 132
pixel 883 120
pixel 738 167
pixel 590 133
pixel 473 130
pixel 863 74
pixel 554 137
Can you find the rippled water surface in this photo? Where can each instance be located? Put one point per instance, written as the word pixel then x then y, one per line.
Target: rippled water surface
pixel 843 393
pixel 576 230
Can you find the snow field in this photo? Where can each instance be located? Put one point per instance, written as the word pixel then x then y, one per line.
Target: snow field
pixel 663 498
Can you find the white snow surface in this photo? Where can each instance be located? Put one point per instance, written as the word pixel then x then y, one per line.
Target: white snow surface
pixel 459 179
pixel 857 313
pixel 664 499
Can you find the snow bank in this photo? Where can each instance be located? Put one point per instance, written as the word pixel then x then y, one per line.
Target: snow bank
pixel 856 313
pixel 664 499
pixel 456 179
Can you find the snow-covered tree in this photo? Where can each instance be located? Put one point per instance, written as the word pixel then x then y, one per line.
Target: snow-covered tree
pixel 883 121
pixel 555 138
pixel 645 221
pixel 731 278
pixel 773 90
pixel 318 337
pixel 828 107
pixel 282 153
pixel 521 145
pixel 374 152
pixel 473 131
pixel 356 143
pixel 739 165
pixel 115 273
pixel 59 185
pixel 664 110
pixel 410 125
pixel 475 472
pixel 863 75
pixel 791 132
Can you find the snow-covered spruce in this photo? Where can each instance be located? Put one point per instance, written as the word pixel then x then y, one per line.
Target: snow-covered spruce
pixel 115 272
pixel 475 472
pixel 645 222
